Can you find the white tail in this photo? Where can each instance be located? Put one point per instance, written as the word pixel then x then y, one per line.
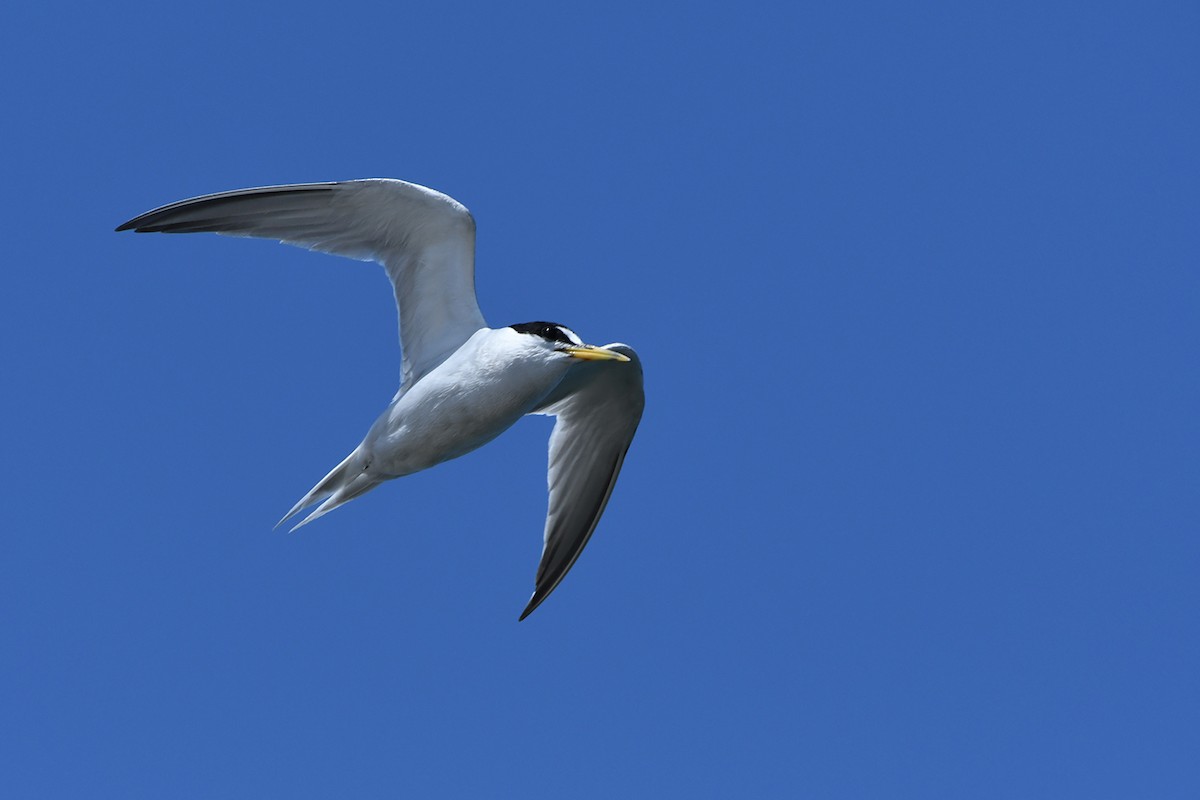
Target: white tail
pixel 345 482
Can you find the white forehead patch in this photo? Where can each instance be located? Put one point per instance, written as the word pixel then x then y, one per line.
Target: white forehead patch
pixel 570 334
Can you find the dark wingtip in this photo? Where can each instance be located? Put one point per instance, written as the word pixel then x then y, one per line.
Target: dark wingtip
pixel 124 226
pixel 534 602
pixel 158 220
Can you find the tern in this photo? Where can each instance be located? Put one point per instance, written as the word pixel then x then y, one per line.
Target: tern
pixel 462 383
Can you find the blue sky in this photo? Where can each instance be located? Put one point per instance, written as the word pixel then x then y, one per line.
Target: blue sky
pixel 912 510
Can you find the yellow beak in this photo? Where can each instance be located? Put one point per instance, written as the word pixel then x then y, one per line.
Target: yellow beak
pixel 589 353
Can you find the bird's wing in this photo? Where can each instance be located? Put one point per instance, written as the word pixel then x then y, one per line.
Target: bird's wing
pixel 424 239
pixel 598 406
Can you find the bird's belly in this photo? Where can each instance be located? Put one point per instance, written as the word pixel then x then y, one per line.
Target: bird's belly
pixel 445 419
pixel 419 443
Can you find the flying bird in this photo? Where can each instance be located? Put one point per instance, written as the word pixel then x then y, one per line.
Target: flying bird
pixel 462 383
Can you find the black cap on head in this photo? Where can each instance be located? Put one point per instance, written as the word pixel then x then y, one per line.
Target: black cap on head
pixel 548 330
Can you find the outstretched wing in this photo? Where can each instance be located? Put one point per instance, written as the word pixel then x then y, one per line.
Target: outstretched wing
pixel 424 239
pixel 598 406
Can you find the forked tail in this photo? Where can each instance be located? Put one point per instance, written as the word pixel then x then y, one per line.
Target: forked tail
pixel 345 482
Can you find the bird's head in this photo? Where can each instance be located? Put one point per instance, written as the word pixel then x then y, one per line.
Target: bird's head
pixel 562 339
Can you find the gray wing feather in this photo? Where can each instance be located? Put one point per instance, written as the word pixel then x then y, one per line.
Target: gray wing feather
pixel 598 407
pixel 424 239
